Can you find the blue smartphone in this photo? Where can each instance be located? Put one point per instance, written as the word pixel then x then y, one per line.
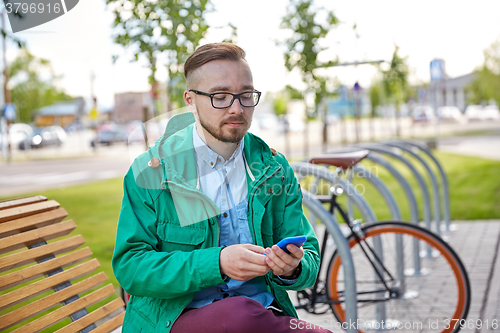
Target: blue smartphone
pixel 298 241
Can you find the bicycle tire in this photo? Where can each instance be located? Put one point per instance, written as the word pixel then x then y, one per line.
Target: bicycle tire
pixel 432 302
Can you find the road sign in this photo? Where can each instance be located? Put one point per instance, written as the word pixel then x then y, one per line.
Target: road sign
pixel 9 112
pixel 437 70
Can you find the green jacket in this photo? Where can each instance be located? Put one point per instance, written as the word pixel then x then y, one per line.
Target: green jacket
pixel 167 238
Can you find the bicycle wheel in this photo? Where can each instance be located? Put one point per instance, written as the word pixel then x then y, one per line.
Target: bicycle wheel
pixel 432 298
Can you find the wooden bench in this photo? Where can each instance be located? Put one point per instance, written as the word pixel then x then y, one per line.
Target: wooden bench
pixel 25 227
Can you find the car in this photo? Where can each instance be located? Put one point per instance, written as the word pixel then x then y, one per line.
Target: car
pixel 490 112
pixel 18 132
pixel 42 137
pixel 450 113
pixel 423 114
pixel 109 136
pixel 473 112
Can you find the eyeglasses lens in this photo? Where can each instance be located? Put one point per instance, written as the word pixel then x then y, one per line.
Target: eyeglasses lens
pixel 224 100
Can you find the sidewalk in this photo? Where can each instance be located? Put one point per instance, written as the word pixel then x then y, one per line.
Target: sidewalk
pixel 477 244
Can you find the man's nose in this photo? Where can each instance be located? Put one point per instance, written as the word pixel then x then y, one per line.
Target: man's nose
pixel 236 108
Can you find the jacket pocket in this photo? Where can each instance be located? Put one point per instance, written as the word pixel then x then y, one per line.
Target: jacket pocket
pixel 174 237
pixel 137 322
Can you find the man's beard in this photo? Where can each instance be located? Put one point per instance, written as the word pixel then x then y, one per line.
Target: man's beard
pixel 232 135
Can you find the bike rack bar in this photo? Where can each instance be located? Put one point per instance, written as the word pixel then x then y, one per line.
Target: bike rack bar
pixel 305 169
pixel 383 149
pixel 380 186
pixel 333 228
pixel 435 186
pixel 444 178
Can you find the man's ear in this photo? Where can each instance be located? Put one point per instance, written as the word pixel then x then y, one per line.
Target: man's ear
pixel 189 100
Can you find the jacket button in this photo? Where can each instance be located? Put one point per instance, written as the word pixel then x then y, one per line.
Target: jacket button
pixel 167 323
pixel 282 178
pixel 270 191
pixel 225 214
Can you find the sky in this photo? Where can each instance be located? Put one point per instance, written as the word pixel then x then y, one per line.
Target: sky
pixel 457 31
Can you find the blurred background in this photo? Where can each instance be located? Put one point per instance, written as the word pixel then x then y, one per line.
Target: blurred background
pixel 79 93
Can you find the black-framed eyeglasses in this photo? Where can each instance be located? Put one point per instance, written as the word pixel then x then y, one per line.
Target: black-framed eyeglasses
pixel 221 100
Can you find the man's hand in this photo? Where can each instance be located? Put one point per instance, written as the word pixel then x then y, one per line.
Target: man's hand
pixel 243 262
pixel 282 263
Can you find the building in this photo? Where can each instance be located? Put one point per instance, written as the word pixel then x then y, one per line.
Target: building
pixel 450 92
pixel 60 113
pixel 130 106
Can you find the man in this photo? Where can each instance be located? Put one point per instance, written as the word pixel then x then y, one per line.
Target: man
pixel 202 210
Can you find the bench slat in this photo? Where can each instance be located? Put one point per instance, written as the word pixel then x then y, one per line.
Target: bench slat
pixel 110 325
pixel 36 236
pixel 48 283
pixel 23 211
pixel 30 222
pixel 49 301
pixel 67 310
pixel 21 201
pixel 22 258
pixel 92 317
pixel 29 273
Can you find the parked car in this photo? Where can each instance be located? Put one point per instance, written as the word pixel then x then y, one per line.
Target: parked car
pixel 18 132
pixel 450 113
pixel 490 112
pixel 46 136
pixel 473 112
pixel 423 114
pixel 110 136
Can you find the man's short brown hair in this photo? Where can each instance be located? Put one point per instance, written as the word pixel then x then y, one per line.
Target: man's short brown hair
pixel 210 52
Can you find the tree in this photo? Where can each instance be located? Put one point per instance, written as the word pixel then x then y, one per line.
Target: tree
pixel 486 84
pixel 395 82
pixel 154 29
pixel 28 90
pixel 303 48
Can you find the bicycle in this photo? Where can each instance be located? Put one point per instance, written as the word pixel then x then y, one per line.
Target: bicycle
pixel 429 291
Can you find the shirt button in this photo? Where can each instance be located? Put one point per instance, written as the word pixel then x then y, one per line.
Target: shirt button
pixel 270 191
pixel 218 159
pixel 225 214
pixel 212 163
pixel 167 323
pixel 282 178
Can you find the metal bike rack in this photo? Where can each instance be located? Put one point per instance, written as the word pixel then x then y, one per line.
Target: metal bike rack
pixel 383 149
pixel 435 186
pixel 444 178
pixel 305 169
pixel 333 228
pixel 380 186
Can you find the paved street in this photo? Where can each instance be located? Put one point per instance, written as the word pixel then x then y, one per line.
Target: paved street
pixel 19 178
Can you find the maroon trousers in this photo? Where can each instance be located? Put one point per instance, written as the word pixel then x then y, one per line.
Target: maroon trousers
pixel 239 315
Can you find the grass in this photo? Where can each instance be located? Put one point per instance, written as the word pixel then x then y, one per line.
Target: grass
pixel 474 194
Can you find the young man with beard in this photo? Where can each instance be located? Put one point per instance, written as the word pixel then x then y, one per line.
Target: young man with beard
pixel 202 210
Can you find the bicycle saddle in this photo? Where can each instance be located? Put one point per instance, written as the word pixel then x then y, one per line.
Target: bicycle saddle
pixel 342 160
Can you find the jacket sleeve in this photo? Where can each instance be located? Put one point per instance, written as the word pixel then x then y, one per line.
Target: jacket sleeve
pixel 296 224
pixel 139 266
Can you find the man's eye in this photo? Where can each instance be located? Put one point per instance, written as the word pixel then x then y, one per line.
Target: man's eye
pixel 221 97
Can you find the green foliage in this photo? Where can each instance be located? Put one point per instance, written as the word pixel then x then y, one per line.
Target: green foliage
pixel 279 105
pixel 486 84
pixel 303 47
pixel 171 28
pixel 376 96
pixel 28 90
pixel 395 79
